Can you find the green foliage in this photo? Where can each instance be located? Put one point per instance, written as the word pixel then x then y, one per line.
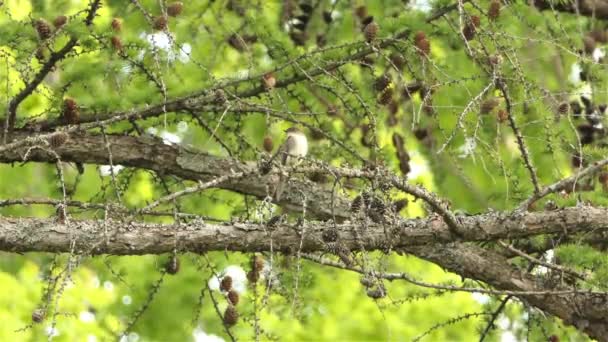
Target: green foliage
pixel 480 167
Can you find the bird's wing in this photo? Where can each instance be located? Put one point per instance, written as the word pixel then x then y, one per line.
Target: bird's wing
pixel 278 153
pixel 289 145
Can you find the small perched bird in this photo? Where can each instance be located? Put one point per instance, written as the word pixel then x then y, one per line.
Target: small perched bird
pixel 291 151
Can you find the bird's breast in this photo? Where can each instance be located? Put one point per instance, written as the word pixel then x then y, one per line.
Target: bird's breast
pixel 301 146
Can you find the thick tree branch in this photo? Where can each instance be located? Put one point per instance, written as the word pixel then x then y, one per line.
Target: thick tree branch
pixel 586 310
pixel 44 235
pixel 152 154
pixel 590 8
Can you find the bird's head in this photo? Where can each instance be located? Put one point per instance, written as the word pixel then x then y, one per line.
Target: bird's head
pixel 294 130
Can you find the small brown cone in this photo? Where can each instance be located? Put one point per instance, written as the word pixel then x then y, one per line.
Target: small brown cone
pixel 330 235
pixel 419 36
pixel 258 263
pixel 376 293
pixel 219 97
pixel 398 205
pixel 226 283
pixel 253 276
pixel 361 12
pixel 386 97
pixel 237 42
pixel 40 55
pixel 488 105
pixel 424 47
pixel 61 213
pixel 233 297
pixel 397 60
pixel 502 115
pixel 371 31
pixel 421 133
pixel 60 21
pixel 494 10
pixel 172 266
pixel 589 44
pixel 269 81
pixel 603 179
pixel 116 43
pixel 116 24
pixel 175 8
pixel 470 29
pixel 160 23
pixel 563 108
pixel 43 28
pixel 268 144
pixel 318 177
pixel 382 82
pixel 38 315
pixel 58 139
pixel 231 316
pixel 71 112
pixel 495 60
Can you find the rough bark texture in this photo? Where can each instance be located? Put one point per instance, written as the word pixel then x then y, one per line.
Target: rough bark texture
pixel 429 238
pixel 586 311
pixel 151 153
pixel 425 238
pixel 124 238
pixel 590 8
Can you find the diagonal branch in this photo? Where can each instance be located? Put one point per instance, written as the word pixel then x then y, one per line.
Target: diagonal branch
pixel 46 68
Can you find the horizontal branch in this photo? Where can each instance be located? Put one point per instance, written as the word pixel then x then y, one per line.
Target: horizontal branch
pixel 591 8
pixel 586 310
pixel 46 235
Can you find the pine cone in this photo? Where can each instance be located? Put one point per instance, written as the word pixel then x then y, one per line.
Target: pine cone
pixel 43 28
pixel 160 23
pixel 258 263
pixel 172 266
pixel 226 283
pixel 38 315
pixel 231 316
pixel 371 31
pixel 269 81
pixel 233 297
pixel 57 139
pixel 116 43
pixel 60 21
pixel 116 24
pixel 71 112
pixel 422 43
pixel 386 97
pixel 382 82
pixel 563 108
pixel 488 105
pixel 174 9
pixel 494 10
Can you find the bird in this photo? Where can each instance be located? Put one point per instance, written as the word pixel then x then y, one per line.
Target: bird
pixel 291 153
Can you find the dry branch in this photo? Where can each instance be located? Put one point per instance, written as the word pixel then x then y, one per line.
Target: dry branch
pixel 46 235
